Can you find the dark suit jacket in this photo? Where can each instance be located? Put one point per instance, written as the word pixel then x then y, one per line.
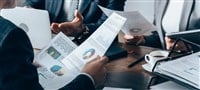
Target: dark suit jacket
pixel 190 20
pixel 16 56
pixel 93 16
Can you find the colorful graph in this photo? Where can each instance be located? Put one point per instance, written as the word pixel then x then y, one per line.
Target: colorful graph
pixel 89 53
pixel 58 70
pixel 53 52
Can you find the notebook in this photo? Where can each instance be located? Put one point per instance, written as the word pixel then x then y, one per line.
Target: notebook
pixel 184 70
pixel 34 22
pixel 191 35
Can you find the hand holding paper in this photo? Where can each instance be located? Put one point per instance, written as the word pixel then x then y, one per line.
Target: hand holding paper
pixel 179 46
pixel 96 69
pixel 135 40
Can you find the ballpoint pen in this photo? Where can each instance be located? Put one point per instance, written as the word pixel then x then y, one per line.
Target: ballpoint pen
pixel 136 62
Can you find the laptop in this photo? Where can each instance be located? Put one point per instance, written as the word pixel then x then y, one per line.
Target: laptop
pixel 34 22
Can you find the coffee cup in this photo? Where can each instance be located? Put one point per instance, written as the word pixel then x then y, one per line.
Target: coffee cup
pixel 154 56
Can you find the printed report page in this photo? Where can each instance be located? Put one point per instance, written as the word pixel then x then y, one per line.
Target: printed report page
pixel 96 44
pixel 52 73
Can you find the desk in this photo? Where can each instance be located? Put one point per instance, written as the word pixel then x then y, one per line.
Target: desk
pixel 119 75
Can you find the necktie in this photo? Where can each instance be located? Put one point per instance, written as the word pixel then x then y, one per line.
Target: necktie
pixel 73 6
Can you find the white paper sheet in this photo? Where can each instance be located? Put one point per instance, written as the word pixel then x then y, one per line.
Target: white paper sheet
pixel 52 73
pixel 96 44
pixel 185 69
pixel 136 24
pixel 169 85
pixel 61 61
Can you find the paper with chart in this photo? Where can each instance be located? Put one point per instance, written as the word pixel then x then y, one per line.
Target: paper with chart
pixel 52 73
pixel 136 23
pixel 96 44
pixel 185 69
pixel 62 60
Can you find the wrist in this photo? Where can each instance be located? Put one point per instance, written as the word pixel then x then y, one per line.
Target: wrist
pixel 142 41
pixel 84 32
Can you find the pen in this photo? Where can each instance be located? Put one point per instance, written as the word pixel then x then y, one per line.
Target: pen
pixel 136 62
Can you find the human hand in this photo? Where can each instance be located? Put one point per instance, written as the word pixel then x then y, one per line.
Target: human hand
pixel 96 69
pixel 36 64
pixel 8 3
pixel 135 40
pixel 179 46
pixel 74 28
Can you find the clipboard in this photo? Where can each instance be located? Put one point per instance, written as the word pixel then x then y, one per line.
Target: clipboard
pixel 173 76
pixel 192 35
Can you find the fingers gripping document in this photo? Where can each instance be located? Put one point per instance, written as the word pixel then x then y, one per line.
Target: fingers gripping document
pixel 96 44
pixel 62 60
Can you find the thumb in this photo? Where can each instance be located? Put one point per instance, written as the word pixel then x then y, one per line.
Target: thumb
pixel 167 39
pixel 55 27
pixel 65 25
pixel 78 16
pixel 103 60
pixel 128 36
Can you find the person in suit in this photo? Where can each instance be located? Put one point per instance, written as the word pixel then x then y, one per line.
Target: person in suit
pixel 16 57
pixel 173 15
pixel 88 18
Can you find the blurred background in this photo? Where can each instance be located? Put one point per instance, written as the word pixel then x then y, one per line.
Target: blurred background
pixel 145 7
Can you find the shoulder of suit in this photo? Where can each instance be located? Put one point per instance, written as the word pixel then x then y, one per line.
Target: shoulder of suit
pixel 7 28
pixel 6 25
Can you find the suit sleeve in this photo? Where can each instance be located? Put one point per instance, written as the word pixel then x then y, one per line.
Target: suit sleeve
pixel 153 40
pixel 17 71
pixel 39 4
pixel 81 82
pixel 112 4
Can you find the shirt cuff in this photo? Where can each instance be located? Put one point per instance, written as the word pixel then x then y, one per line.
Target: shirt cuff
pixel 89 77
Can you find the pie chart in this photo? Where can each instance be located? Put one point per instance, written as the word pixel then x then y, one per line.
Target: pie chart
pixel 88 53
pixel 58 70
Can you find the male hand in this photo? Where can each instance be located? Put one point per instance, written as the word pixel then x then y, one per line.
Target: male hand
pixel 179 46
pixel 74 28
pixel 36 64
pixel 135 40
pixel 96 68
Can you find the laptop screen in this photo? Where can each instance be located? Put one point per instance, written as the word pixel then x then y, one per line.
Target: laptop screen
pixel 34 22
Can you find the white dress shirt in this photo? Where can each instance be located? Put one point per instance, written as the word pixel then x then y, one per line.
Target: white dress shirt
pixel 172 17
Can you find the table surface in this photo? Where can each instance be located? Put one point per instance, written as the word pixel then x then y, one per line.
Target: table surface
pixel 119 75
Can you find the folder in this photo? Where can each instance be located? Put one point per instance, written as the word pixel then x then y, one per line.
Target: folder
pixel 192 35
pixel 184 69
pixel 115 52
